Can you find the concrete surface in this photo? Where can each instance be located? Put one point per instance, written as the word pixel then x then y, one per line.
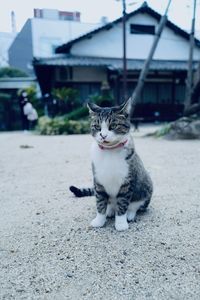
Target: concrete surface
pixel 48 250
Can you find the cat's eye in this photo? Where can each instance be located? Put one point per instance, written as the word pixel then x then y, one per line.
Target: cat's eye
pixel 112 126
pixel 97 127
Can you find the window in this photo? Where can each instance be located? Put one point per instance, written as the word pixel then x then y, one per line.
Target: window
pixel 142 29
pixel 165 93
pixel 149 94
pixel 179 94
pixel 62 74
pixel 87 89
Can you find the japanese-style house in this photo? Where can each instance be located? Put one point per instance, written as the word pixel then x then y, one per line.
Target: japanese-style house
pixel 96 57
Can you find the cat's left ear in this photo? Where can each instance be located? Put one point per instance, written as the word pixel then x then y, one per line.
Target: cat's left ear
pixel 125 108
pixel 93 108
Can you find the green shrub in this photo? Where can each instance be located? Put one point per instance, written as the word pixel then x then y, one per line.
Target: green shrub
pixel 8 72
pixel 78 113
pixel 165 129
pixel 67 98
pixel 61 125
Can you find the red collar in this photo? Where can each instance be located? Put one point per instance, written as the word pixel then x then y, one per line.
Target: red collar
pixel 114 147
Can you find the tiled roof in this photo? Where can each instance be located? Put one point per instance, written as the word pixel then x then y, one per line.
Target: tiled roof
pixel 65 48
pixel 112 63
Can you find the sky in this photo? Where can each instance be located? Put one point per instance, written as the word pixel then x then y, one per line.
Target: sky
pixel 180 11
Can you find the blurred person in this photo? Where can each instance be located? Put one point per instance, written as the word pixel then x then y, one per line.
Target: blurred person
pixel 23 98
pixel 29 113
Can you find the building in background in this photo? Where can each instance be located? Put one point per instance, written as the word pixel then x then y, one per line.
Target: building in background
pixel 6 39
pixel 85 62
pixel 42 34
pixel 53 14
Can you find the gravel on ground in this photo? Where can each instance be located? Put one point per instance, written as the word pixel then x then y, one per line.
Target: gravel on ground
pixel 49 251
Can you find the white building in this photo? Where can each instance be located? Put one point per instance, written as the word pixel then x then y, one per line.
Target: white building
pixel 42 34
pixel 6 39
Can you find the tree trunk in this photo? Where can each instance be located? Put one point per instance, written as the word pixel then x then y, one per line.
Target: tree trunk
pixel 145 68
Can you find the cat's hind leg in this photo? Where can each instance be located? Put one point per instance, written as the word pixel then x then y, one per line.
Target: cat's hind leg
pixel 133 208
pixel 144 206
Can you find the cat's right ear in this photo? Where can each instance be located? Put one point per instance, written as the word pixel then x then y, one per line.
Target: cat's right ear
pixel 93 108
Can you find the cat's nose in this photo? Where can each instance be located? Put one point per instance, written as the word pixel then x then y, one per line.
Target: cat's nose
pixel 103 136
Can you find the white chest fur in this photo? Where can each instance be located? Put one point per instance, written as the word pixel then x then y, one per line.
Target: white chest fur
pixel 111 168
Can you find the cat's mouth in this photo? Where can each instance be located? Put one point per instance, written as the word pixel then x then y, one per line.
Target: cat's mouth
pixel 111 145
pixel 107 143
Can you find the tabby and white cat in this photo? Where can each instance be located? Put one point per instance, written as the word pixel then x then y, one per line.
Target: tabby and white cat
pixel 121 184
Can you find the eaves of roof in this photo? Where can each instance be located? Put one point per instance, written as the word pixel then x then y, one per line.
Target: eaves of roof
pixel 111 63
pixel 65 48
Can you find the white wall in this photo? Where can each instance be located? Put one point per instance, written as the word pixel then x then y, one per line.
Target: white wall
pixel 6 39
pixel 108 43
pixel 47 34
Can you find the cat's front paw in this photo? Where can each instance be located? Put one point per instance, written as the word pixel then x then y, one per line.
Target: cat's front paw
pixel 121 227
pixel 98 221
pixel 121 223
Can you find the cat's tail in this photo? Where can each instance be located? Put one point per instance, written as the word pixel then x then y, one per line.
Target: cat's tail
pixel 81 192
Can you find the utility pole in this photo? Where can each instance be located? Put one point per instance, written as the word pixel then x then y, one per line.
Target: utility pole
pixel 188 94
pixel 13 22
pixel 145 68
pixel 124 73
pixel 124 51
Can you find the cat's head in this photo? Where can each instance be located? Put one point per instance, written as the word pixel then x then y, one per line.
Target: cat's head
pixel 110 125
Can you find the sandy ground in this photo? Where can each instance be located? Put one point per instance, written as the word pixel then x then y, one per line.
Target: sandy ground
pixel 48 250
